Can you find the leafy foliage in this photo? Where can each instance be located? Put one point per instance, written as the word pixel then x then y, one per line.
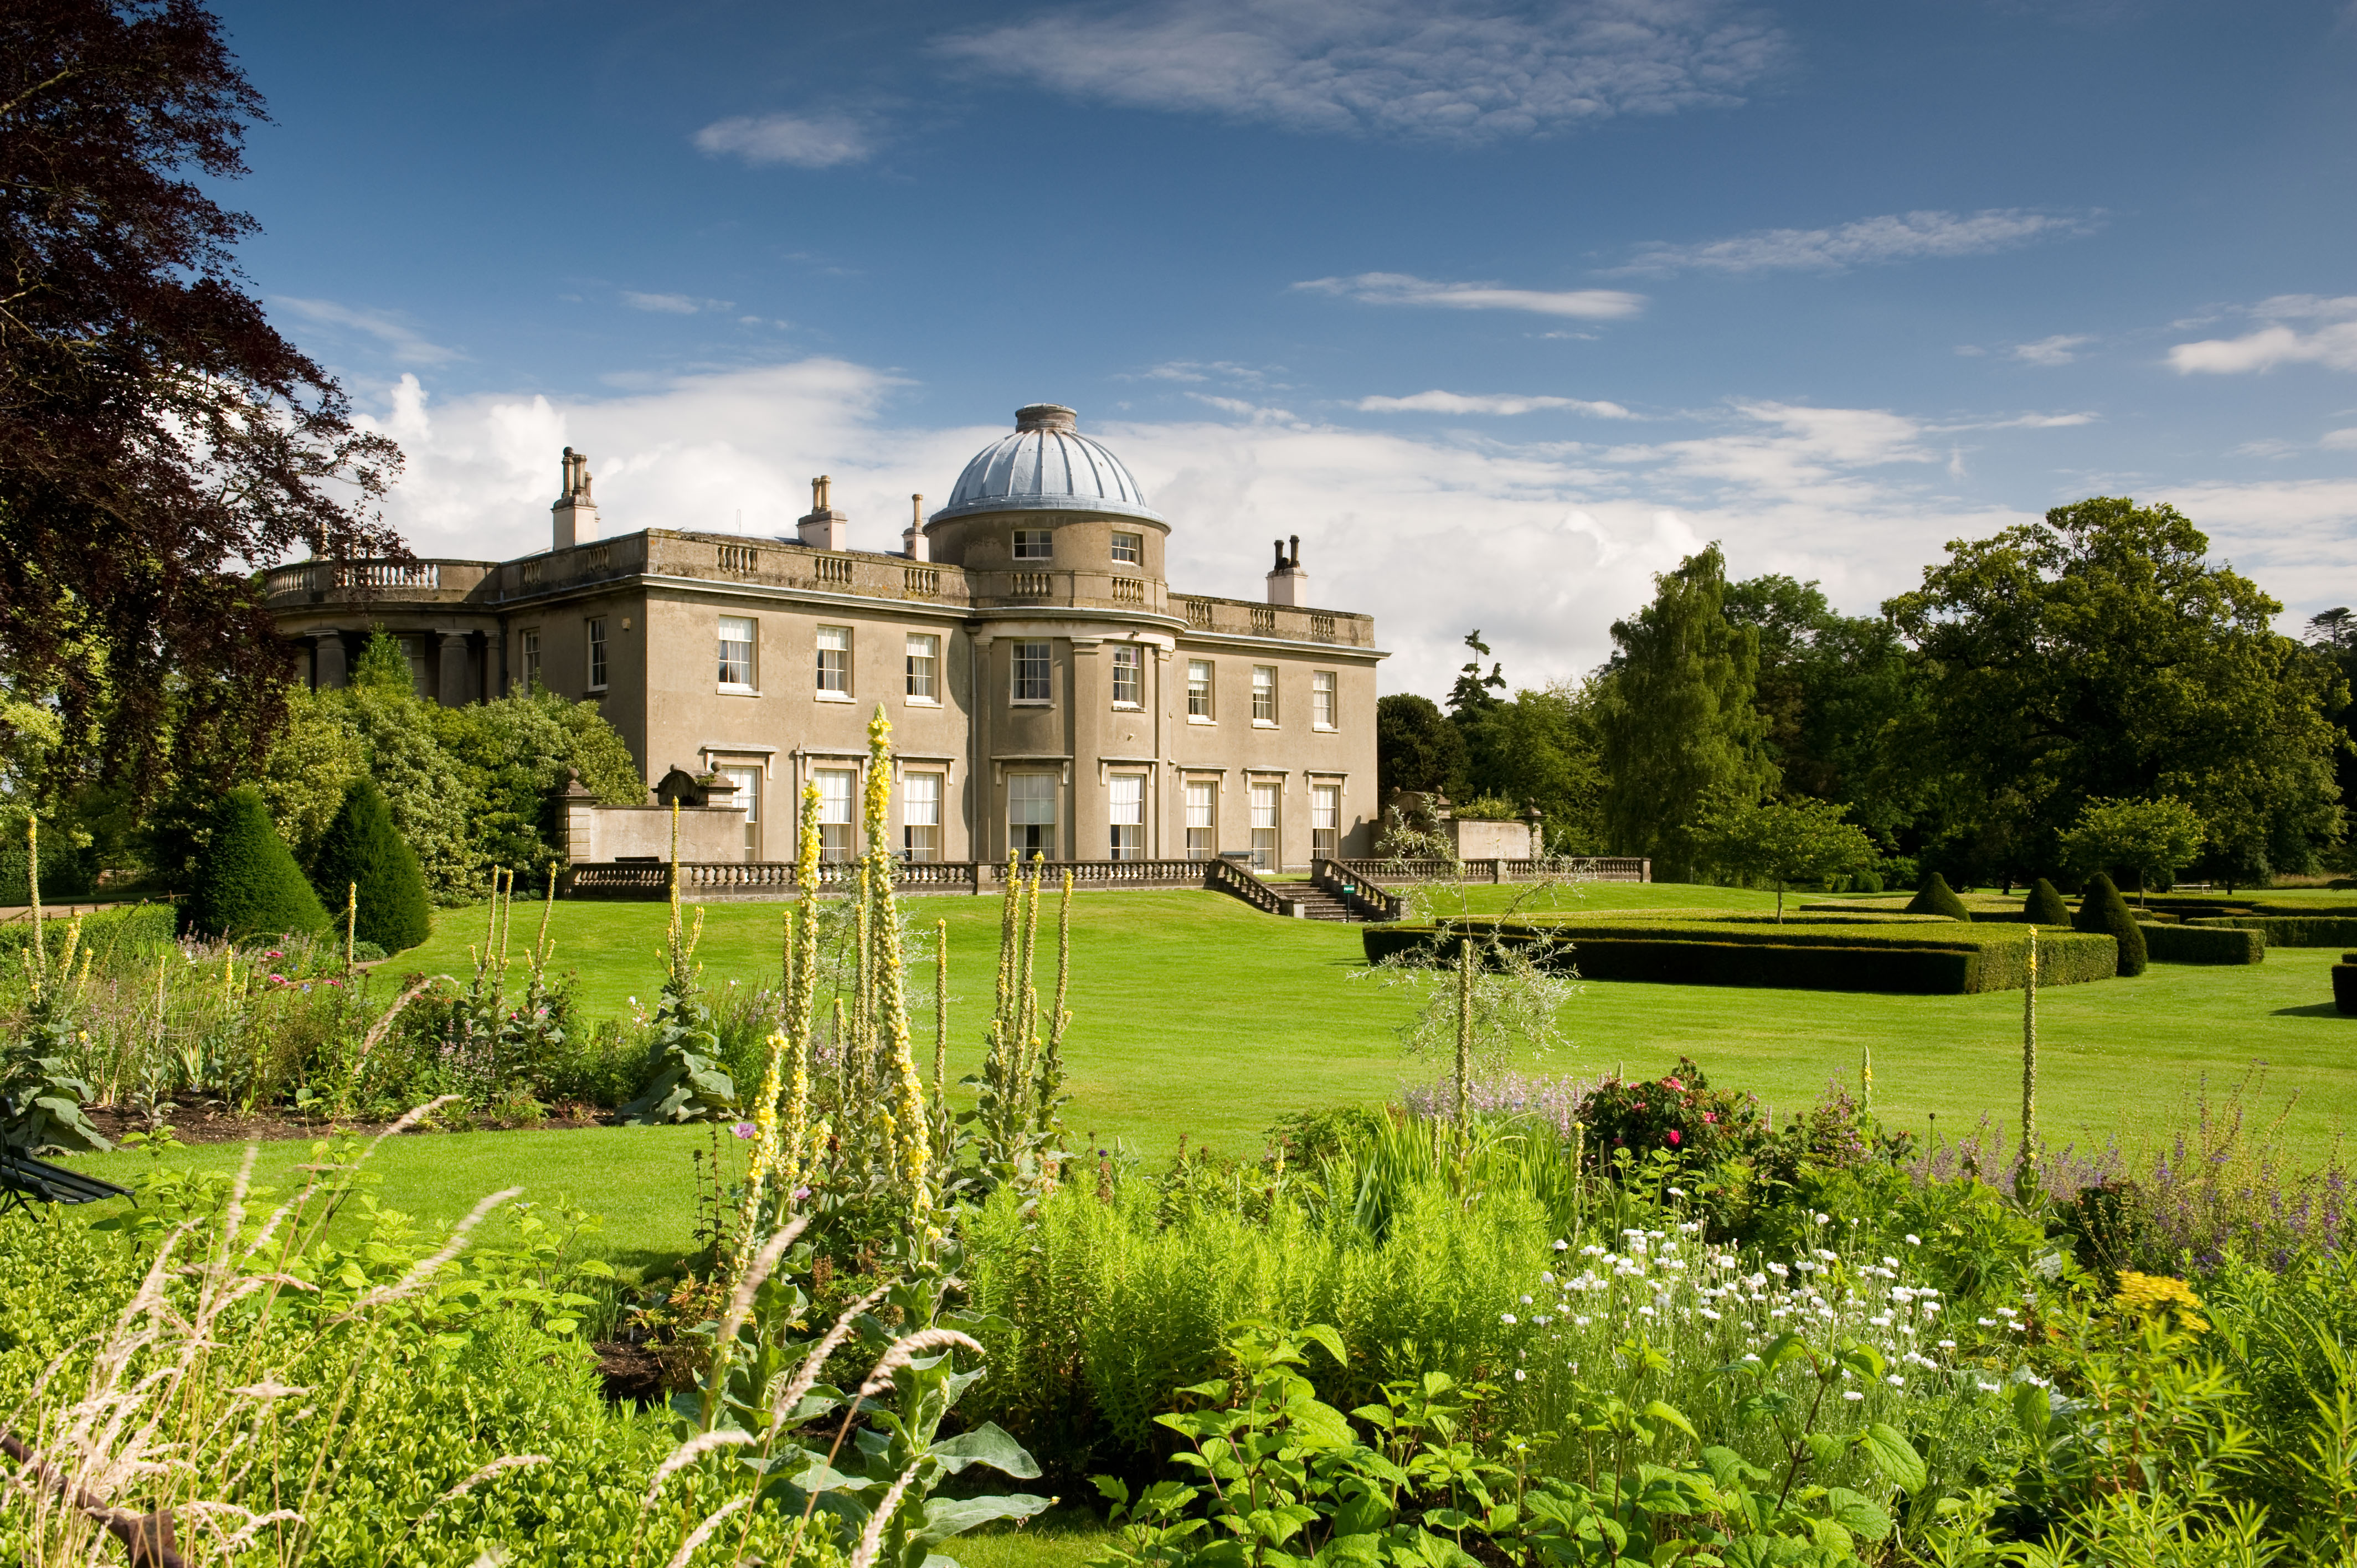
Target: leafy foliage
pixel 155 432
pixel 1802 841
pixel 2152 838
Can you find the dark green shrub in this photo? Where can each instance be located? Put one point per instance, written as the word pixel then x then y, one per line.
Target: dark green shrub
pixel 2204 944
pixel 247 884
pixel 2103 909
pixel 1935 898
pixel 1893 958
pixel 2344 986
pixel 361 850
pixel 2044 907
pixel 2289 930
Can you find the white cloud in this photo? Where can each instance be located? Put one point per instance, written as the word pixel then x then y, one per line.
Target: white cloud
pixel 2059 349
pixel 1545 541
pixel 1497 402
pixel 1452 71
pixel 400 341
pixel 2332 343
pixel 806 141
pixel 2029 421
pixel 1197 371
pixel 1898 237
pixel 1400 288
pixel 2339 440
pixel 674 304
pixel 1542 543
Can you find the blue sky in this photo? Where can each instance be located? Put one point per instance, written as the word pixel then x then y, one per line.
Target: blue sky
pixel 1501 309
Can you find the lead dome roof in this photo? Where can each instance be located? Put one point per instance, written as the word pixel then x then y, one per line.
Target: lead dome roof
pixel 1047 465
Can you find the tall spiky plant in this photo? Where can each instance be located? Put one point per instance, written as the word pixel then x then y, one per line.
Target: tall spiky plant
pixel 2025 1175
pixel 686 1081
pixel 885 992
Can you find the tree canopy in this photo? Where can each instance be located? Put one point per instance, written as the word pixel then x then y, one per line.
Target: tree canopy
pixel 2099 653
pixel 158 438
pixel 1680 735
pixel 1785 842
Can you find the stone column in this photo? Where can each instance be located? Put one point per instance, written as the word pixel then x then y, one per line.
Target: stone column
pixel 328 662
pixel 452 681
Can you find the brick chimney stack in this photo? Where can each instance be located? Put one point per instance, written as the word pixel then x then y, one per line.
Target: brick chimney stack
pixel 1287 582
pixel 573 517
pixel 825 528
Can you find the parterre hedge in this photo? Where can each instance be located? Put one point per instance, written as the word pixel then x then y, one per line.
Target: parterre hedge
pixel 2289 931
pixel 131 928
pixel 2204 944
pixel 1917 959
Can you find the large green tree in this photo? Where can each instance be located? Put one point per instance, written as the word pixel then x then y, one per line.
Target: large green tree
pixel 1832 689
pixel 1787 842
pixel 1416 748
pixel 1681 738
pixel 1542 749
pixel 2100 653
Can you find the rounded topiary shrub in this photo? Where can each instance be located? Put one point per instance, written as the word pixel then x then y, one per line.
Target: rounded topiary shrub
pixel 361 850
pixel 1936 897
pixel 2044 907
pixel 247 885
pixel 2103 909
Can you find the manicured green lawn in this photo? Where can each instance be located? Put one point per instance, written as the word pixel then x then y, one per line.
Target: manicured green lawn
pixel 1194 1014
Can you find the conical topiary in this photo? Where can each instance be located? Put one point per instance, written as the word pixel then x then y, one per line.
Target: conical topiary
pixel 2103 909
pixel 361 847
pixel 1935 898
pixel 247 885
pixel 2044 906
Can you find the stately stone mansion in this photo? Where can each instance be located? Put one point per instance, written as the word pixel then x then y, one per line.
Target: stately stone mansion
pixel 1050 692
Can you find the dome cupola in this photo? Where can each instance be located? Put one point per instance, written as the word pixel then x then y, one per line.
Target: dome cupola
pixel 1046 465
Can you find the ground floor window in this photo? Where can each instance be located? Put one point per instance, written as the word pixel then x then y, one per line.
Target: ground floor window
pixel 920 814
pixel 1326 820
pixel 749 795
pixel 838 793
pixel 1129 816
pixel 1202 819
pixel 1032 815
pixel 1263 826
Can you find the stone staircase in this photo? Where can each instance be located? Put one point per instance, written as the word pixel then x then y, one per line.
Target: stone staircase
pixel 1316 903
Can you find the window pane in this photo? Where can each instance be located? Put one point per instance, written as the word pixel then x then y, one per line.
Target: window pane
pixel 1128 675
pixel 597 653
pixel 837 788
pixel 922 652
pixel 920 815
pixel 1031 671
pixel 735 651
pixel 1321 699
pixel 1199 688
pixel 1263 826
pixel 1129 549
pixel 835 659
pixel 1265 692
pixel 1031 797
pixel 1129 799
pixel 1032 543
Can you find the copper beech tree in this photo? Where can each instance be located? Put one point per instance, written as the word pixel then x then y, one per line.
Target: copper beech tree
pixel 158 438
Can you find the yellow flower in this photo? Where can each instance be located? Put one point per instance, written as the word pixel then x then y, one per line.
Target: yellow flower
pixel 2159 1295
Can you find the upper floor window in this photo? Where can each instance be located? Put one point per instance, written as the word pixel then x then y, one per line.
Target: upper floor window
pixel 1263 694
pixel 1128 676
pixel 924 661
pixel 1034 544
pixel 1128 549
pixel 736 651
pixel 835 660
pixel 596 653
pixel 1034 671
pixel 1321 698
pixel 528 655
pixel 1198 689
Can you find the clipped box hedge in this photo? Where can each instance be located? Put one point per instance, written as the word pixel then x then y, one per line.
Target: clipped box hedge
pixel 124 928
pixel 2205 944
pixel 1946 960
pixel 2289 930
